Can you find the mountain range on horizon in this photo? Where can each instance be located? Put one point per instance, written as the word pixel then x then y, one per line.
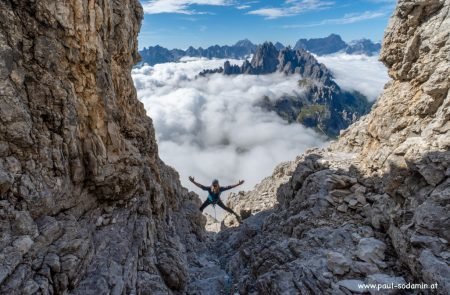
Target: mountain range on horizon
pixel 244 48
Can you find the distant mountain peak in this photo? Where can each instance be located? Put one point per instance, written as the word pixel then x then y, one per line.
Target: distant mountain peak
pixel 332 35
pixel 363 46
pixel 279 45
pixel 331 44
pixel 244 42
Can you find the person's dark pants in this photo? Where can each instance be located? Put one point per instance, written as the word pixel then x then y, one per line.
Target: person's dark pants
pixel 219 203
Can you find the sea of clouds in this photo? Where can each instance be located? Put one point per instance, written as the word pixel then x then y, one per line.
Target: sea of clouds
pixel 357 72
pixel 211 127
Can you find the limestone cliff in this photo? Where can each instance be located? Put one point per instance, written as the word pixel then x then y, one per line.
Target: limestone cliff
pixel 374 206
pixel 86 204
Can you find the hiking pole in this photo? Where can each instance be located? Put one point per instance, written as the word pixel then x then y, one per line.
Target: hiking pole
pixel 215 218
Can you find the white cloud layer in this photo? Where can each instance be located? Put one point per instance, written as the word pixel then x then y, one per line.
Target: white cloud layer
pixel 241 7
pixel 291 8
pixel 208 127
pixel 179 6
pixel 365 74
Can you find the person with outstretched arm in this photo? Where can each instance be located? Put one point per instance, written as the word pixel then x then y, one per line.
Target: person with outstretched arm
pixel 214 192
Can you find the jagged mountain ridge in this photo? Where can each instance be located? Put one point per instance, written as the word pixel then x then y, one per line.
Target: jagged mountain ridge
pixel 372 207
pixel 334 43
pixel 331 44
pixel 244 48
pixel 278 46
pixel 322 104
pixel 157 54
pixel 363 46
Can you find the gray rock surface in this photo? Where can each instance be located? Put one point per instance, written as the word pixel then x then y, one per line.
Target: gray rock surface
pixel 352 285
pixel 331 44
pixel 86 205
pixel 334 43
pixel 382 279
pixel 371 250
pixel 338 263
pixel 373 207
pixel 363 46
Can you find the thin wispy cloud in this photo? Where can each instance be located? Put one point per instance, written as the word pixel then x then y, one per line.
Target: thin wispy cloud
pixel 241 7
pixel 291 8
pixel 349 18
pixel 355 17
pixel 180 6
pixel 239 19
pixel 270 13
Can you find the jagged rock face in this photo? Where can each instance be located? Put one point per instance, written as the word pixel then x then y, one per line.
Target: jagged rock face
pixel 410 133
pixel 316 240
pixel 414 126
pixel 264 60
pixel 157 54
pixel 268 59
pixel 363 46
pixel 301 62
pixel 331 44
pixel 323 104
pixel 407 138
pixel 373 207
pixel 263 197
pixel 86 205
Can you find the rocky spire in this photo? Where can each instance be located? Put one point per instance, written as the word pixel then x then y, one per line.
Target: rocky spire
pixel 301 62
pixel 265 59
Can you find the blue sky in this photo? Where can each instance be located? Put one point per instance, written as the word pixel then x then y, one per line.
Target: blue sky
pixel 181 23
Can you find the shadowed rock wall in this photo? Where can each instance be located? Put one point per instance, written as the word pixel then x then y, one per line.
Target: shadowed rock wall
pixel 374 206
pixel 86 204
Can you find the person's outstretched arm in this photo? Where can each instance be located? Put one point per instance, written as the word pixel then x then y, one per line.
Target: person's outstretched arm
pixel 233 185
pixel 203 187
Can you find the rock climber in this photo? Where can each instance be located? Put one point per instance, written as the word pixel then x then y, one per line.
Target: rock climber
pixel 214 192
